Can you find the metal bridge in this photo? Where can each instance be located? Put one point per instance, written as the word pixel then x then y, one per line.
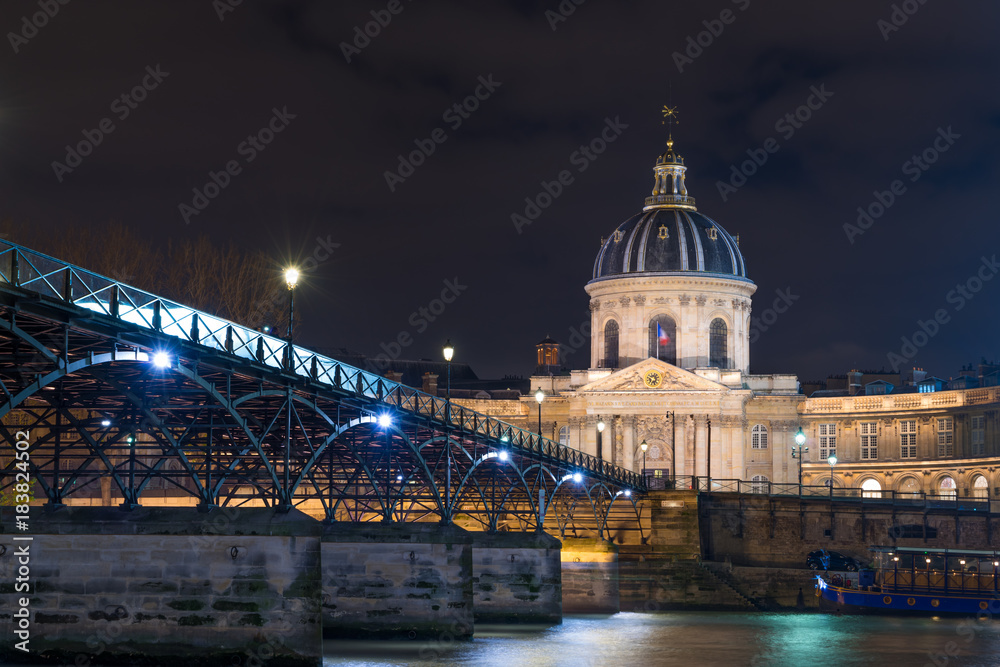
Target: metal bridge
pixel 109 382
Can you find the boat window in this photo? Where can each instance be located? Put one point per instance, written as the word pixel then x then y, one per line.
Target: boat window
pixel 905 561
pixel 956 564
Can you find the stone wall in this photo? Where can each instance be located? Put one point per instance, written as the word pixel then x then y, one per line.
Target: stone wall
pixel 780 532
pixel 589 576
pixel 177 584
pixel 516 578
pixel 396 580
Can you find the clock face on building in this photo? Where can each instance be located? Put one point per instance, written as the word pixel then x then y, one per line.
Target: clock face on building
pixel 653 379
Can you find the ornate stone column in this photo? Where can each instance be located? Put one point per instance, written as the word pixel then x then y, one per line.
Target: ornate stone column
pixel 630 445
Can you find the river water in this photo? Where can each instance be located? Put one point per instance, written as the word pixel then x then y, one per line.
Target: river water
pixel 701 638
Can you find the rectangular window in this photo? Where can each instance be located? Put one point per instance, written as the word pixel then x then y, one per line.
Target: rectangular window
pixel 869 440
pixel 979 435
pixel 946 436
pixel 827 441
pixel 908 439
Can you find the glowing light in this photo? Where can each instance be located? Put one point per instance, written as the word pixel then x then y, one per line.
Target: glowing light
pixel 291 276
pixel 449 350
pixel 161 360
pixel 384 420
pixel 577 477
pixel 628 493
pixel 600 426
pixel 399 478
pixel 539 395
pixel 105 423
pixel 504 439
pixel 504 456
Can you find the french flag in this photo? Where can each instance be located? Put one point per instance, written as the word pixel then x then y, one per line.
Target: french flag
pixel 661 335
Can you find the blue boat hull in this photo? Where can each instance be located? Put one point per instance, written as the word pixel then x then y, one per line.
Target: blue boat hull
pixel 855 601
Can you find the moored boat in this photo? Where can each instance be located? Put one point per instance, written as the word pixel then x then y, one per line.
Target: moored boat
pixel 919 581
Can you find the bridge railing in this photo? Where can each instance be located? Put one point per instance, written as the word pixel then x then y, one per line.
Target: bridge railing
pixel 767 488
pixel 54 279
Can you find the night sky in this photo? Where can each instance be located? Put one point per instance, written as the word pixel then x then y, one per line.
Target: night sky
pixel 884 85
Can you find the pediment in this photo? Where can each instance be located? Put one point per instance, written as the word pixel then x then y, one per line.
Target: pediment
pixel 672 378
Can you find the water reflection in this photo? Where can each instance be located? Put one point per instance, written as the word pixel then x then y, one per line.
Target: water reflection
pixel 700 639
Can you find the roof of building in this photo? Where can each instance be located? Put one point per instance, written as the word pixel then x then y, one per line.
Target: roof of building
pixel 669 236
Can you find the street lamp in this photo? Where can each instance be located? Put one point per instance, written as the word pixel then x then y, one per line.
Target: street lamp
pixel 800 439
pixel 291 279
pixel 449 352
pixel 539 396
pixel 643 447
pixel 600 438
pixel 832 461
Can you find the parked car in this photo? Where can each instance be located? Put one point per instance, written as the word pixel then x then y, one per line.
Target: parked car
pixel 821 559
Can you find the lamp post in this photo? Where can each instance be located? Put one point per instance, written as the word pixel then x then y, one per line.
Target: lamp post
pixel 539 396
pixel 600 438
pixel 449 352
pixel 832 461
pixel 797 451
pixel 643 447
pixel 291 279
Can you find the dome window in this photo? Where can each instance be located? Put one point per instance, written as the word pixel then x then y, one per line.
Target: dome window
pixel 713 234
pixel 664 232
pixel 611 344
pixel 718 339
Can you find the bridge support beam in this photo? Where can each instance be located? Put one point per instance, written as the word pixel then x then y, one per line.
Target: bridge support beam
pixel 385 580
pixel 516 578
pixel 590 576
pixel 174 584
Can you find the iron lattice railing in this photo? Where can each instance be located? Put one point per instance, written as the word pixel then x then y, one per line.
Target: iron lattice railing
pixel 54 279
pixel 916 499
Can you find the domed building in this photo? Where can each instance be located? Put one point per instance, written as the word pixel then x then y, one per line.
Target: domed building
pixel 669 389
pixel 670 351
pixel 670 283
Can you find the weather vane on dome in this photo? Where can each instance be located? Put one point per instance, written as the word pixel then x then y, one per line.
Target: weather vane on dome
pixel 669 118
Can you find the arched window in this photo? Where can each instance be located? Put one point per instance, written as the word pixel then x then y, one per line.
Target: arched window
pixel 663 339
pixel 611 344
pixel 564 435
pixel 758 437
pixel 909 486
pixel 760 484
pixel 718 335
pixel 980 487
pixel 947 487
pixel 870 488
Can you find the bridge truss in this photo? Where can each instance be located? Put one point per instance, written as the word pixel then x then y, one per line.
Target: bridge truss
pixel 118 387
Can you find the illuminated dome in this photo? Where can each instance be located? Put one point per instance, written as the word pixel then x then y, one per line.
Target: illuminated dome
pixel 670 236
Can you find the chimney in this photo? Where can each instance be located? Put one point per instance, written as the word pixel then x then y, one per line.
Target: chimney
pixel 430 383
pixel 395 376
